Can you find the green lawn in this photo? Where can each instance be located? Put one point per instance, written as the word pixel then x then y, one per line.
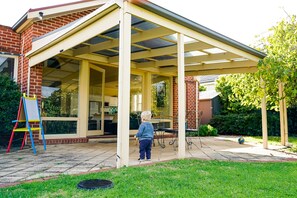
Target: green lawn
pixel 179 178
pixel 274 141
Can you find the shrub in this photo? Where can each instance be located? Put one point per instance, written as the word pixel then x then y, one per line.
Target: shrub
pixel 10 98
pixel 204 130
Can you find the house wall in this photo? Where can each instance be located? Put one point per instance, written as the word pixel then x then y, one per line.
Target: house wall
pixel 9 40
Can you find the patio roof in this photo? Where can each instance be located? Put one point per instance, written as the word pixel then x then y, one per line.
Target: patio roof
pixel 153 42
pixel 33 15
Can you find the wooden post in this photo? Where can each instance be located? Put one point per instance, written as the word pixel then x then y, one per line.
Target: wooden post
pixel 283 115
pixel 181 96
pixel 124 89
pixel 264 117
pixel 286 122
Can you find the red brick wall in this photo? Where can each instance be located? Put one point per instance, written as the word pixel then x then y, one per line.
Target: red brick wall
pixel 175 102
pixel 9 40
pixel 190 87
pixel 65 141
pixel 40 28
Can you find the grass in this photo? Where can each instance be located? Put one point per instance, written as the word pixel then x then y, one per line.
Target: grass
pixel 178 178
pixel 273 140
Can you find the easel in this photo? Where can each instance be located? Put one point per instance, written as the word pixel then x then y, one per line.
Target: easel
pixel 29 113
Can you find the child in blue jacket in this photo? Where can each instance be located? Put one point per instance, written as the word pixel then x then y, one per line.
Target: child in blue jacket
pixel 145 136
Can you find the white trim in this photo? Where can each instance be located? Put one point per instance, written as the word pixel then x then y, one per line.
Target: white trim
pixel 97 132
pixel 16 67
pixel 52 11
pixel 67 38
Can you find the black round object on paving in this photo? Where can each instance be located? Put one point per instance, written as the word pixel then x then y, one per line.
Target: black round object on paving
pixel 92 184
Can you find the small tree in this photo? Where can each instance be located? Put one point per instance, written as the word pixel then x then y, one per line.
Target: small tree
pixel 10 97
pixel 280 64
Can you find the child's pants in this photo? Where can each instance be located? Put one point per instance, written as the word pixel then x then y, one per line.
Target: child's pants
pixel 145 147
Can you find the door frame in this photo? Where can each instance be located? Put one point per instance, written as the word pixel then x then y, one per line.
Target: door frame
pixel 99 69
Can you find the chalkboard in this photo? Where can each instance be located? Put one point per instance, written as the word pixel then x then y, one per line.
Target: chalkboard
pixel 31 107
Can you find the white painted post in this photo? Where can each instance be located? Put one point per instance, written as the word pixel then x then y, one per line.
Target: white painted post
pixel 264 117
pixel 84 78
pixel 181 96
pixel 124 89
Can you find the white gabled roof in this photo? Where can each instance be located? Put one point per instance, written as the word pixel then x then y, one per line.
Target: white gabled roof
pixel 52 11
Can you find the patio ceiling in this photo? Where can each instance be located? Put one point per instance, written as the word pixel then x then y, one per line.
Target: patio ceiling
pixel 153 42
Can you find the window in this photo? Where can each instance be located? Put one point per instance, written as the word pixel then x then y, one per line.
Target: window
pixel 136 93
pixel 8 66
pixel 161 92
pixel 60 95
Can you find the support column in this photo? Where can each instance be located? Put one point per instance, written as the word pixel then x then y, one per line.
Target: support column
pixel 264 116
pixel 283 115
pixel 181 96
pixel 124 89
pixel 147 92
pixel 84 78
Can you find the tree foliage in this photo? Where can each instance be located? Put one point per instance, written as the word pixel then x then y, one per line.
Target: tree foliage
pixel 243 92
pixel 239 93
pixel 280 64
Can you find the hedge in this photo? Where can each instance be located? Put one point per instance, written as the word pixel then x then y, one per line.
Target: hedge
pixel 251 123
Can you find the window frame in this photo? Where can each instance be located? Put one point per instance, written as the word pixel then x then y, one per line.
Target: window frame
pixel 15 69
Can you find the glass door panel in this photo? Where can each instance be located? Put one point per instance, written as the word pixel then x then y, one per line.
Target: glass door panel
pixel 96 101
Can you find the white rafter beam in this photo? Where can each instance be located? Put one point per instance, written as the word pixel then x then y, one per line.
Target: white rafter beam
pixel 138 37
pixel 249 66
pixel 224 65
pixel 222 71
pixel 164 51
pixel 188 60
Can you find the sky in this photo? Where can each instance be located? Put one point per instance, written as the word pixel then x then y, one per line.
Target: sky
pixel 240 20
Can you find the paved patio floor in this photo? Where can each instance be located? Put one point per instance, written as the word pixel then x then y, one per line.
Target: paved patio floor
pixel 18 166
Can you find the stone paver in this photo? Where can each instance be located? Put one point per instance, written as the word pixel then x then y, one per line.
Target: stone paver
pixel 18 166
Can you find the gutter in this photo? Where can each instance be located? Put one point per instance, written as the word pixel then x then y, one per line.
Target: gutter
pixel 21 21
pixel 196 27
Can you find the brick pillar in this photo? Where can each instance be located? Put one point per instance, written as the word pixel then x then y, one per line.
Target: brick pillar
pixel 175 102
pixel 35 89
pixel 190 101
